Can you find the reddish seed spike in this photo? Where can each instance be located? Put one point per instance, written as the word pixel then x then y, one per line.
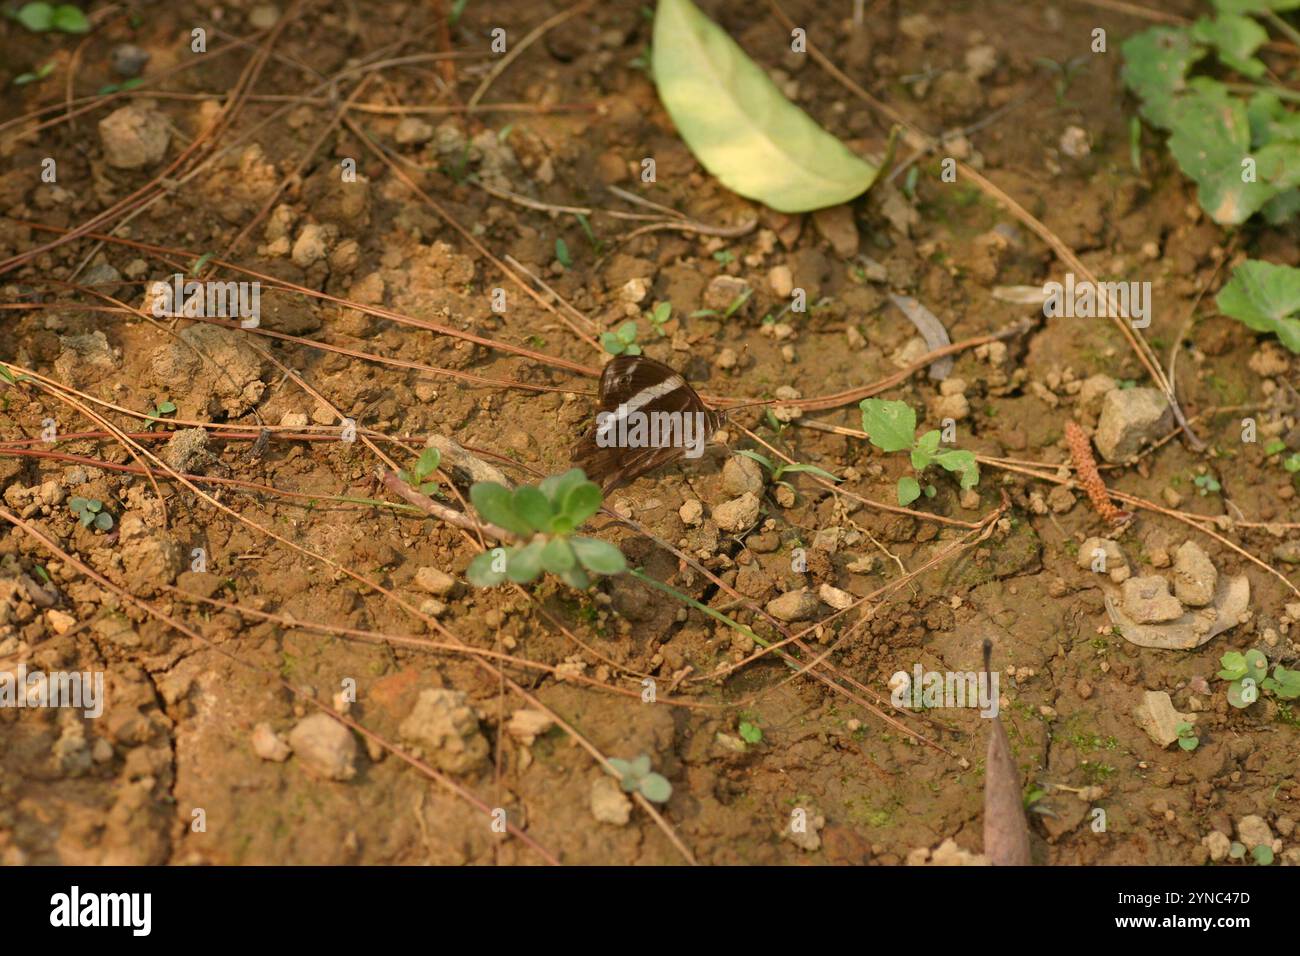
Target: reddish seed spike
pixel 1085 467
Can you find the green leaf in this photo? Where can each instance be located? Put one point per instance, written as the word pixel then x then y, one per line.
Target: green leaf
pixel 1156 62
pixel 493 503
pixel 1263 855
pixel 1256 664
pixel 557 556
pixel 69 19
pixel 627 332
pixel 739 125
pixel 77 503
pixel 104 521
pixel 611 343
pixel 750 733
pixel 640 766
pixel 909 489
pixel 1189 743
pixel 428 462
pixel 1242 693
pixel 581 502
pixel 622 766
pixel 480 572
pixel 962 462
pixel 1233 665
pixel 576 578
pixel 1284 683
pixel 562 253
pixel 809 469
pixel 87 517
pixel 890 425
pixel 524 564
pixel 37 17
pixel 598 556
pixel 656 788
pixel 532 506
pixel 662 313
pixel 1255 6
pixel 556 487
pixel 1266 297
pixel 1236 38
pixel 1210 138
pixel 1270 121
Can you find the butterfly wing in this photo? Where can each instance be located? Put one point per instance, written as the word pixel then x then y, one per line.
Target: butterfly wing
pixel 652 387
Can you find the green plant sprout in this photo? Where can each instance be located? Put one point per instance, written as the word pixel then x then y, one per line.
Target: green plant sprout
pixel 420 477
pixel 562 253
pixel 1292 462
pixel 750 733
pixel 891 426
pixel 545 515
pixel 1245 671
pixel 40 73
pixel 1063 74
pixel 43 17
pixel 1187 738
pixel 1206 484
pixel 622 341
pixel 778 468
pixel 158 411
pixel 659 316
pixel 90 511
pixel 636 775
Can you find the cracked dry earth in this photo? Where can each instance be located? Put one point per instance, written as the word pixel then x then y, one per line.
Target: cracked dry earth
pixel 213 750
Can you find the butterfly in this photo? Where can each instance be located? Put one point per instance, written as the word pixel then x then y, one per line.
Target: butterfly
pixel 649 416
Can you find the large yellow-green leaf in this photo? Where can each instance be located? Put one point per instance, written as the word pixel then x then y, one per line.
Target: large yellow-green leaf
pixel 739 125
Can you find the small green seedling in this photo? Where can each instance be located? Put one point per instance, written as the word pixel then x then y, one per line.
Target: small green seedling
pixel 158 411
pixel 1284 683
pixel 750 733
pixel 90 512
pixel 622 341
pixel 778 468
pixel 660 316
pixel 544 515
pixel 562 253
pixel 892 427
pixel 636 775
pixel 724 256
pixel 40 73
pixel 1245 671
pixel 420 477
pixel 1292 462
pixel 1206 484
pixel 1262 855
pixel 1063 74
pixel 1187 738
pixel 43 17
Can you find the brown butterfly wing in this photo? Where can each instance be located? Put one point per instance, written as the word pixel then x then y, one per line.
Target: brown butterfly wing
pixel 623 377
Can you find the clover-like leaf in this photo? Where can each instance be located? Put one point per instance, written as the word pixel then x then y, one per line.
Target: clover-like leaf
pixel 494 503
pixel 890 425
pixel 1256 664
pixel 1242 693
pixel 599 557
